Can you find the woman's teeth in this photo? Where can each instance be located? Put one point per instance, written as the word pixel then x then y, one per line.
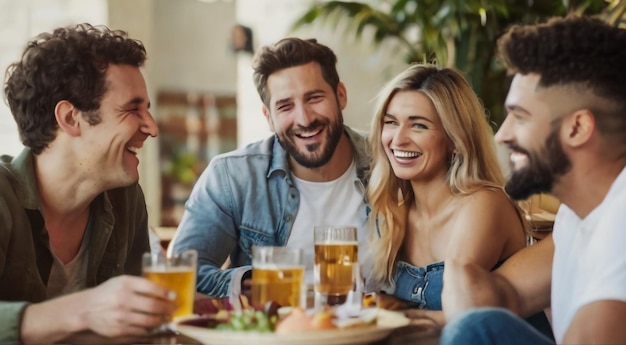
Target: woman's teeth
pixel 406 154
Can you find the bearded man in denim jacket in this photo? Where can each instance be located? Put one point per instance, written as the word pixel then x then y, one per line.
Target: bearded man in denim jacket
pixel 273 192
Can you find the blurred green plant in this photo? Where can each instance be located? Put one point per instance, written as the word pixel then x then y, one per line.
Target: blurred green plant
pixel 455 33
pixel 182 168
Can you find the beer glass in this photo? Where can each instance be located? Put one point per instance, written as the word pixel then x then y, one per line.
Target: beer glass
pixel 336 264
pixel 176 272
pixel 278 276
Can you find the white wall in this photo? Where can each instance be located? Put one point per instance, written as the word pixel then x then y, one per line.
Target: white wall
pixel 192 46
pixel 20 21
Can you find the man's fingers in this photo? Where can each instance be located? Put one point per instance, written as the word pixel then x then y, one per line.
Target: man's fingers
pixel 150 304
pixel 147 321
pixel 144 286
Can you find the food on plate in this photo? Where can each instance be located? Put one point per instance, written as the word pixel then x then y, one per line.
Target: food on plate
pixel 301 321
pixel 281 320
pixel 369 300
pixel 249 320
pixel 323 320
pixel 296 321
pixel 220 314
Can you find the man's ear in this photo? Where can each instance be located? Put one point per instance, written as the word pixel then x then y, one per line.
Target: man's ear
pixel 68 117
pixel 578 127
pixel 266 113
pixel 342 95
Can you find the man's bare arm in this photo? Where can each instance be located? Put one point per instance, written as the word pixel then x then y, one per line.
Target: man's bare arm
pixel 521 284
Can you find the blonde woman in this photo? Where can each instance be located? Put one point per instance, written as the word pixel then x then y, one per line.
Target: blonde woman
pixel 436 188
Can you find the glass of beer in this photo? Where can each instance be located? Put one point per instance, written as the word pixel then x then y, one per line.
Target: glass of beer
pixel 336 264
pixel 176 272
pixel 278 276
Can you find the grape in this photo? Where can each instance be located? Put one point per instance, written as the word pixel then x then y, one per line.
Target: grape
pixel 250 320
pixel 247 319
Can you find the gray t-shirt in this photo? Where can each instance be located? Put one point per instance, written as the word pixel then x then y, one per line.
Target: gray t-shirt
pixel 70 277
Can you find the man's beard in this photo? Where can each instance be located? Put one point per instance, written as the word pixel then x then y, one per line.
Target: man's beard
pixel 309 159
pixel 541 172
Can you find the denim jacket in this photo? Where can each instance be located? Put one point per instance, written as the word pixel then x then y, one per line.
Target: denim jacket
pixel 244 198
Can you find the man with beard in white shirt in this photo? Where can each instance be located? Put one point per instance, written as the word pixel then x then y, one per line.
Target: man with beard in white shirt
pixel 565 127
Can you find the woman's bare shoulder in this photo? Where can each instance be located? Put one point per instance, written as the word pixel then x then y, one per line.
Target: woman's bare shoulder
pixel 487 196
pixel 489 205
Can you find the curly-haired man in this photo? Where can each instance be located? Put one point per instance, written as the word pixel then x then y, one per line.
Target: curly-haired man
pixel 565 128
pixel 72 215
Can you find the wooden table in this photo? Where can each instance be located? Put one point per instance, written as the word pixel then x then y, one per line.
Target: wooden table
pixel 416 333
pixel 90 338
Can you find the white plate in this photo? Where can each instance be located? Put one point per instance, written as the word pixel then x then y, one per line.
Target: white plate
pixel 386 322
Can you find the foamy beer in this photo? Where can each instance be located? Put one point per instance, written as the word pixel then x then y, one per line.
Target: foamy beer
pixel 278 276
pixel 177 273
pixel 336 263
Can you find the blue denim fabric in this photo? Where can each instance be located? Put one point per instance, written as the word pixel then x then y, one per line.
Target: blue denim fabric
pixel 421 286
pixel 244 198
pixel 486 326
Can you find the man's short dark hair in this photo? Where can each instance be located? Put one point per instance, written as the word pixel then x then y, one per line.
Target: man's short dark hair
pixel 291 52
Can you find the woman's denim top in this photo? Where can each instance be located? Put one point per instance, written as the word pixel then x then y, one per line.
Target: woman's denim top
pixel 420 285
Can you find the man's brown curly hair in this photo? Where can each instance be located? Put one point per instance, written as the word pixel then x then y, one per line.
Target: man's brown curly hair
pixel 68 64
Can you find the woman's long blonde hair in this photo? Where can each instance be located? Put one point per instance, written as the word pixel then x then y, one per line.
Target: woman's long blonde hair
pixel 473 166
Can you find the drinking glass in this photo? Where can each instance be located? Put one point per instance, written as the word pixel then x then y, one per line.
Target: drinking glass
pixel 336 269
pixel 176 272
pixel 278 276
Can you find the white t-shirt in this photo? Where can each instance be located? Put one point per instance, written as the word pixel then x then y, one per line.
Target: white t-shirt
pixel 338 202
pixel 590 257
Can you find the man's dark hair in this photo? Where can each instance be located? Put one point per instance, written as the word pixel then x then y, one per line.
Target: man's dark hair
pixel 584 52
pixel 68 64
pixel 291 52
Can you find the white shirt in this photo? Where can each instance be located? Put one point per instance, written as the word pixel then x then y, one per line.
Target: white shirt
pixel 338 202
pixel 590 257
